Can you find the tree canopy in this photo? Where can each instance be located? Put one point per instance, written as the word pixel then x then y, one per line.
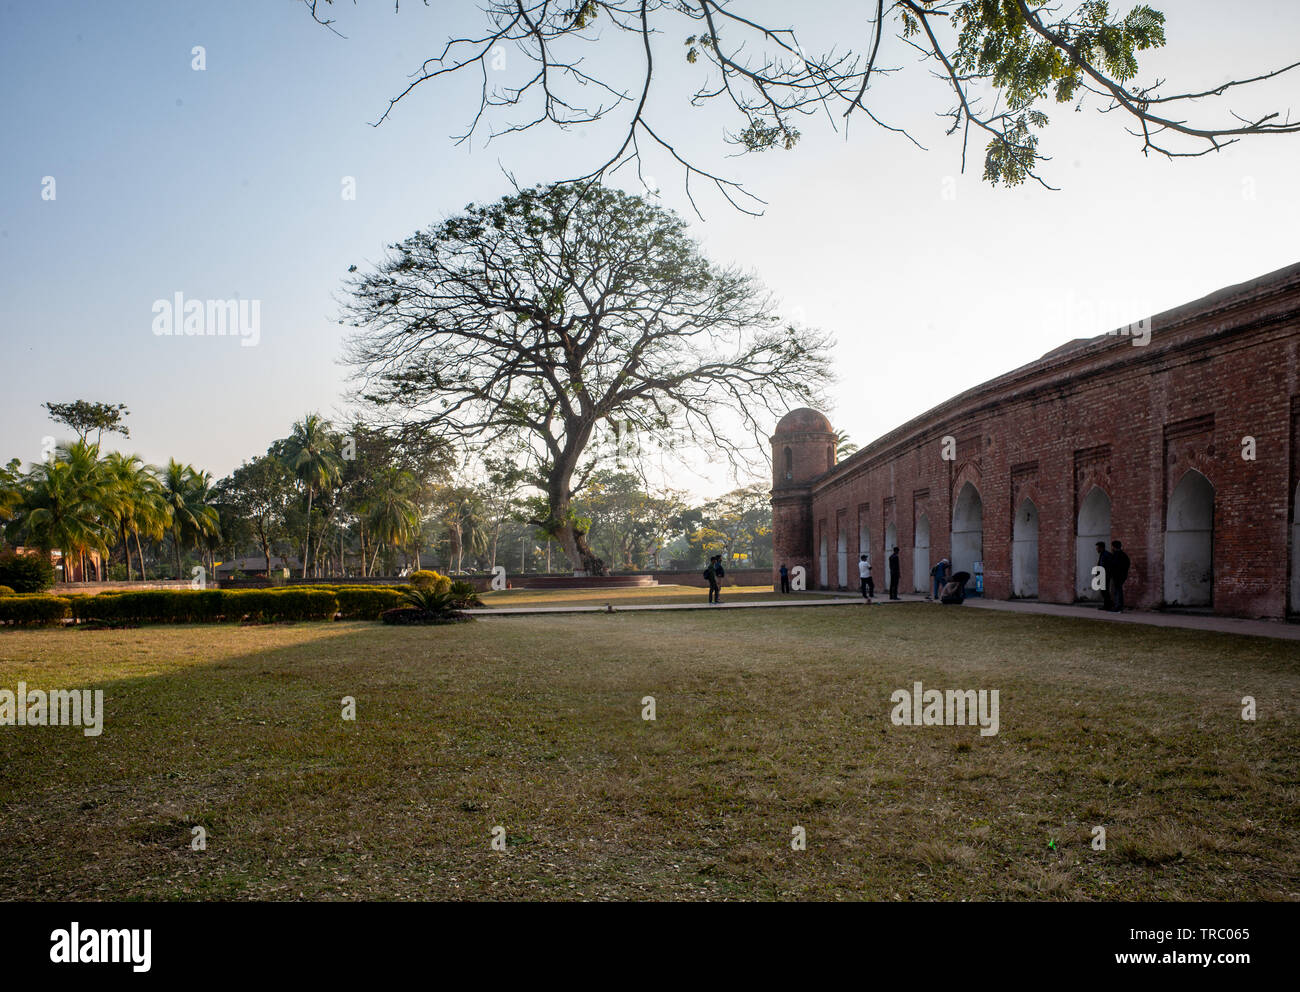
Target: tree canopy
pixel 1003 63
pixel 525 325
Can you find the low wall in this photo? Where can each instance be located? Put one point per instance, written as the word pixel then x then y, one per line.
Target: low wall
pixel 734 577
pixel 537 580
pixel 91 588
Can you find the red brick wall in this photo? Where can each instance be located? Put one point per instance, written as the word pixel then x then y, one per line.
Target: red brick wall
pixel 1130 419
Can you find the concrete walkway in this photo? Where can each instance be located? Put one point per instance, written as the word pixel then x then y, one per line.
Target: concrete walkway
pixel 1224 625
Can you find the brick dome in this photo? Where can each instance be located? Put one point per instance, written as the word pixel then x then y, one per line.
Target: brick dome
pixel 802 421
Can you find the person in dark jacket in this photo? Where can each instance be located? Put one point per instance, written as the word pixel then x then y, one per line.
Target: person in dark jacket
pixel 714 573
pixel 940 574
pixel 1119 563
pixel 785 578
pixel 1107 565
pixel 894 567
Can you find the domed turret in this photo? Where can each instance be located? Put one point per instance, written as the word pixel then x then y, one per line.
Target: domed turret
pixel 803 447
pixel 804 420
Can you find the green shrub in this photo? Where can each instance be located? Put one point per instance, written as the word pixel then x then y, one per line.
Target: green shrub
pixel 26 573
pixel 204 606
pixel 429 579
pixel 464 595
pixel 426 606
pixel 366 602
pixel 268 605
pixel 32 611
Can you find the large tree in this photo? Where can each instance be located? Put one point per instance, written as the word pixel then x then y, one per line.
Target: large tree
pixel 527 324
pixel 84 416
pixel 1002 63
pixel 261 490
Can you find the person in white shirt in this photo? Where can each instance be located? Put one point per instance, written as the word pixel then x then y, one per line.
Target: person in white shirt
pixel 864 575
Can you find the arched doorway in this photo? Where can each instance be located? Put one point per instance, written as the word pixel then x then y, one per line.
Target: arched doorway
pixel 1189 543
pixel 921 555
pixel 967 531
pixel 1024 551
pixel 842 553
pixel 1093 526
pixel 891 539
pixel 1295 551
pixel 824 579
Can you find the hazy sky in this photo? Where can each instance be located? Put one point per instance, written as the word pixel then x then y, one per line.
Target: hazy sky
pixel 226 183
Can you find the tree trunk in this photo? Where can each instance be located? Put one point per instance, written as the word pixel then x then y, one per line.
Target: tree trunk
pixel 306 545
pixel 140 554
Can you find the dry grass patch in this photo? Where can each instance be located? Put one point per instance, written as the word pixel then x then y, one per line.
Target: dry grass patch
pixel 766 720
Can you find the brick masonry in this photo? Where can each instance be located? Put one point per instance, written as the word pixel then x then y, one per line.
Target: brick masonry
pixel 1131 420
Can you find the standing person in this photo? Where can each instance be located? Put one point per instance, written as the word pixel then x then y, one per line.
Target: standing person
pixel 1107 566
pixel 713 573
pixel 864 578
pixel 894 567
pixel 785 578
pixel 1119 563
pixel 940 574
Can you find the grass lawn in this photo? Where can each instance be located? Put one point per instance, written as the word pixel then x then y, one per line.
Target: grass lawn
pixel 766 719
pixel 636 596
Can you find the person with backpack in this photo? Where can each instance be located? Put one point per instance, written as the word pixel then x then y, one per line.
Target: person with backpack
pixel 785 578
pixel 940 575
pixel 714 573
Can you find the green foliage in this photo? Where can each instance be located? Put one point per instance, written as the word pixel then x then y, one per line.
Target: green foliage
pixel 432 601
pixel 464 595
pixel 430 581
pixel 186 606
pixel 26 573
pixel 32 611
pixel 367 602
pixel 84 417
pixel 1027 66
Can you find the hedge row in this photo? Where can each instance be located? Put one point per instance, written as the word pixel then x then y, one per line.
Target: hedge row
pixel 172 606
pixel 32 611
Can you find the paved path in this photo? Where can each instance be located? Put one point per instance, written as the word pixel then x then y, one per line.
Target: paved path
pixel 1225 625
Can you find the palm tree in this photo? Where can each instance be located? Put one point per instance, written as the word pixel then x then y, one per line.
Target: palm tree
pixel 311 456
pixel 392 517
pixel 186 493
pixel 466 526
pixel 135 501
pixel 68 505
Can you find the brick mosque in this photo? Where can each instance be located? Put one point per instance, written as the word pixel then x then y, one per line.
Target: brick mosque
pixel 1185 446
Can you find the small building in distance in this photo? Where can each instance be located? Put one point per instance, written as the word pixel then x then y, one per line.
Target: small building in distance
pixel 1185 447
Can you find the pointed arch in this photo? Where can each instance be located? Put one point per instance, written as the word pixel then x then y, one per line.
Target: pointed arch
pixel 1092 525
pixel 1189 542
pixel 967 530
pixel 1024 551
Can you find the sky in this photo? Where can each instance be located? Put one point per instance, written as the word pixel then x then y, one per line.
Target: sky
pixel 226 183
